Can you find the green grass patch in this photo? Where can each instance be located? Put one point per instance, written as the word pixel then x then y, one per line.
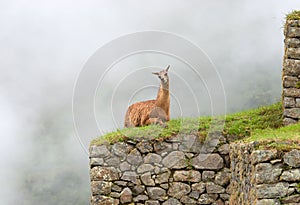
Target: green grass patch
pixel 294 15
pixel 234 126
pixel 284 138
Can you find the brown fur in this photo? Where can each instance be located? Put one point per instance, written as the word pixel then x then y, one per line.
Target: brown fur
pixel 151 111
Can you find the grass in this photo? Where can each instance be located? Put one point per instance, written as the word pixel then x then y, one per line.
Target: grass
pixel 234 126
pixel 294 15
pixel 284 138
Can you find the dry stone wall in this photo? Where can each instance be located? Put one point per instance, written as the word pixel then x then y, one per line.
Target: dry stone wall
pixel 184 170
pixel 291 72
pixel 181 170
pixel 264 177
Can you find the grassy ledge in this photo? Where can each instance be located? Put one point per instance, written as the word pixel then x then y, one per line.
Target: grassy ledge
pixel 284 138
pixel 294 15
pixel 242 125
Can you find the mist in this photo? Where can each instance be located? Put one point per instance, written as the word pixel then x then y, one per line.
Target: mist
pixel 46 44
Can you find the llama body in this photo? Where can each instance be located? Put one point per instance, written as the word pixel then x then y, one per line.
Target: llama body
pixel 151 111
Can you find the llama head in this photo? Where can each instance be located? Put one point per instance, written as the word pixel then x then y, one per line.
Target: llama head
pixel 163 75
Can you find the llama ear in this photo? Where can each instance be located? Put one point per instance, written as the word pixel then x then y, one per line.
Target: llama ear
pixel 167 69
pixel 155 73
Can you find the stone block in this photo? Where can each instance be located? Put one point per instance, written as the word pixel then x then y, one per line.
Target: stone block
pixel 175 159
pixel 289 102
pixel 290 81
pixel 292 42
pixel 291 67
pixel 208 162
pixel 292 113
pixel 292 158
pixel 267 191
pixel 187 176
pixel 293 53
pixel 292 175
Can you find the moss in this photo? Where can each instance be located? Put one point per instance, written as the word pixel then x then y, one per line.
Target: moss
pixel 294 15
pixel 298 85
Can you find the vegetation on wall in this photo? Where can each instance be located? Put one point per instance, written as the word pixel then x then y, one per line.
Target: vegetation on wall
pixel 294 15
pixel 261 124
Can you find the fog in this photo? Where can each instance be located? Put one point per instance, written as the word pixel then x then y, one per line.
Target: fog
pixel 45 45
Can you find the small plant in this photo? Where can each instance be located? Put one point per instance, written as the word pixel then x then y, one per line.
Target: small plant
pixel 298 85
pixel 294 15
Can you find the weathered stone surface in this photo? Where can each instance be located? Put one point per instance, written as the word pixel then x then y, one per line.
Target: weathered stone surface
pixel 224 149
pixel 178 189
pixel 124 166
pixel 291 92
pixel 138 189
pixel 223 177
pixel 140 198
pixel 187 200
pixel 162 147
pixel 290 81
pixel 172 201
pixel 147 180
pixel 130 176
pixel 199 187
pixel 291 199
pixel 134 157
pixel 101 187
pixel 190 143
pixel 289 121
pixel 225 197
pixel 268 202
pixel 195 194
pixel 208 161
pixel 289 102
pixel 126 195
pixel 156 193
pixel 293 53
pixel 293 32
pixel 152 158
pixel 218 202
pixel 152 202
pixel 144 146
pixel 121 149
pixel 212 188
pixel 291 67
pixel 104 173
pixel 163 176
pixel 96 161
pixel 207 198
pixel 292 175
pixel 187 176
pixel 208 175
pixel 292 112
pixel 292 42
pixel 292 23
pixel 145 168
pixel 113 161
pixel 175 159
pixel 265 191
pixel 298 102
pixel 292 158
pixel 267 173
pixel 258 156
pixel 164 186
pixel 99 151
pixel 103 200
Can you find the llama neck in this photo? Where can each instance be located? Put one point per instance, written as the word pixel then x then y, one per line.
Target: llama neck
pixel 163 97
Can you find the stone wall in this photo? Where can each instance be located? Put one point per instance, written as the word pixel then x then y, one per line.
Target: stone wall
pixel 184 170
pixel 291 72
pixel 181 170
pixel 264 177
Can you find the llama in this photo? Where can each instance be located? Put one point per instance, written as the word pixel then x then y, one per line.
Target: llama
pixel 151 111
